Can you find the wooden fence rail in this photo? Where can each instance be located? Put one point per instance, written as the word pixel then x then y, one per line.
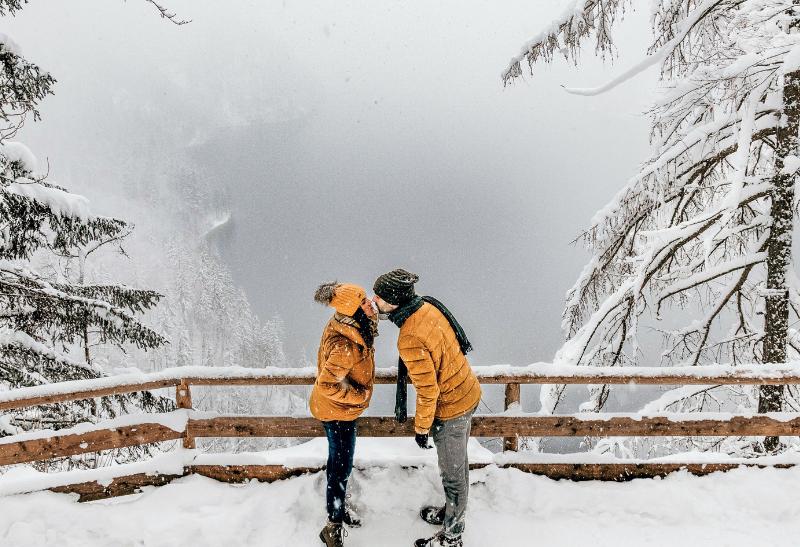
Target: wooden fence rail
pixel 59 445
pixel 535 374
pixel 512 377
pixel 509 426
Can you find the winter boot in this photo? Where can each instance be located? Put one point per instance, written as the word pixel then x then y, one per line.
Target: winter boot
pixel 440 540
pixel 351 518
pixel 333 534
pixel 432 515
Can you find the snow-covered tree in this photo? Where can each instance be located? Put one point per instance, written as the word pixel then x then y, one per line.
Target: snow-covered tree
pixel 704 229
pixel 43 319
pixel 204 314
pixel 210 322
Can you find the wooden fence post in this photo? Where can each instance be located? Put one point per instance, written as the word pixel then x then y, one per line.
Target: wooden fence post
pixel 512 400
pixel 183 398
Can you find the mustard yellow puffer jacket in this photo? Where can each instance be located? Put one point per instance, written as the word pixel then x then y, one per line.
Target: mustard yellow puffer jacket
pixel 445 383
pixel 345 374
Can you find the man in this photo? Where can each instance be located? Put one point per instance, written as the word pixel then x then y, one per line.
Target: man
pixel 433 347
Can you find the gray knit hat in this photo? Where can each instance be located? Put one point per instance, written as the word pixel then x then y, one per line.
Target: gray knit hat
pixel 396 287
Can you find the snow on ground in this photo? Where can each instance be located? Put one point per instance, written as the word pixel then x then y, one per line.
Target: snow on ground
pixel 507 507
pixel 370 452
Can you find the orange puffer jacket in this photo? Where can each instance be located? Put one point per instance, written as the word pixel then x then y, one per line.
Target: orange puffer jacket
pixel 445 383
pixel 345 374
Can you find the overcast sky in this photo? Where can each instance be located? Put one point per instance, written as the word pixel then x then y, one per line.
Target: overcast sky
pixel 353 138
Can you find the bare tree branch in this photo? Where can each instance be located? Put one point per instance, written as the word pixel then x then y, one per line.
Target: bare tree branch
pixel 165 13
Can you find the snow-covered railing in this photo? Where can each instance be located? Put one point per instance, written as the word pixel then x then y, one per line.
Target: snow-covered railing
pixel 187 424
pixel 512 377
pixel 538 373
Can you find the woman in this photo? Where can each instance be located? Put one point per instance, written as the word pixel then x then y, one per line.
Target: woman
pixel 345 374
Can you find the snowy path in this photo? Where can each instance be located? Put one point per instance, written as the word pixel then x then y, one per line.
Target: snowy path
pixel 508 507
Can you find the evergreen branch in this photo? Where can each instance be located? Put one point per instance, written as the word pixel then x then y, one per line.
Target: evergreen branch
pixel 11 7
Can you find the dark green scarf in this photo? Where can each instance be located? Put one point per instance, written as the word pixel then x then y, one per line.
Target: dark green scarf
pixel 399 317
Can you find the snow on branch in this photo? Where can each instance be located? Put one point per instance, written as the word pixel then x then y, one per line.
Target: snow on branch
pixel 75 308
pixel 9 337
pixel 656 57
pixel 578 21
pixel 705 276
pixel 56 200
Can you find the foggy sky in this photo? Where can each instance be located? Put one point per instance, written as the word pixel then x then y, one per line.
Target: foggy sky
pixel 353 138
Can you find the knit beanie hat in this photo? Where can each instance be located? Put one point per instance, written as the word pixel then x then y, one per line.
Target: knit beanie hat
pixel 396 287
pixel 345 298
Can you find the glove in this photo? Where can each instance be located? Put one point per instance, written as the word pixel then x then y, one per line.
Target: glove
pixel 422 440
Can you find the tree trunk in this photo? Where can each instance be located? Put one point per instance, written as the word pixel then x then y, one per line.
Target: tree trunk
pixel 776 318
pixel 85 334
pixel 86 355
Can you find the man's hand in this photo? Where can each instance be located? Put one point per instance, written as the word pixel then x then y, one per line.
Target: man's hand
pixel 422 440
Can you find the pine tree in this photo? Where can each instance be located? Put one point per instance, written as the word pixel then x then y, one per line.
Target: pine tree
pixel 44 321
pixel 210 323
pixel 706 224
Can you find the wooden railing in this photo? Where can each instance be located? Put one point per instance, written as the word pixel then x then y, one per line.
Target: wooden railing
pixel 187 425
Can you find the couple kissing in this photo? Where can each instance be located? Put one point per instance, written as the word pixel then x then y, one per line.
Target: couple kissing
pixel 432 348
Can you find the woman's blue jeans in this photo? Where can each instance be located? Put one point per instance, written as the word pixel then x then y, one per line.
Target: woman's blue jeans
pixel 341 447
